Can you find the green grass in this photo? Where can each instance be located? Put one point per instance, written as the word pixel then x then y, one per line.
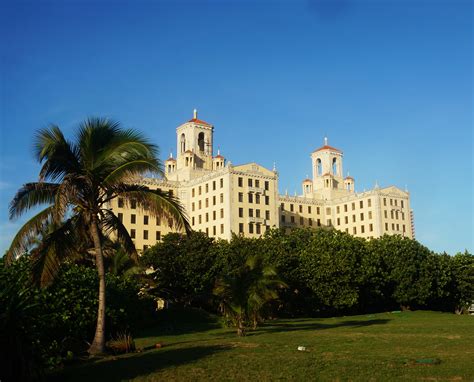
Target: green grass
pixel 408 346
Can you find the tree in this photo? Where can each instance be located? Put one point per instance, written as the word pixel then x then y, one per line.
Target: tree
pixel 77 181
pixel 244 293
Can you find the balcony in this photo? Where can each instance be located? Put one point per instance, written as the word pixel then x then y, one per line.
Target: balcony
pixel 257 190
pixel 256 220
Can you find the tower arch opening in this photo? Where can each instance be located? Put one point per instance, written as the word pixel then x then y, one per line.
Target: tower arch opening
pixel 201 141
pixel 183 143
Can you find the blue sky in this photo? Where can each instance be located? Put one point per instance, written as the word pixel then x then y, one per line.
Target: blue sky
pixel 389 82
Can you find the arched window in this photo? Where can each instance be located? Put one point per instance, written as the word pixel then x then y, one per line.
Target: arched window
pixel 334 166
pixel 201 141
pixel 183 143
pixel 319 167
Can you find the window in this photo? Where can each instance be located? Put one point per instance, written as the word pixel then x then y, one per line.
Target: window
pixel 158 235
pixel 133 204
pixel 267 200
pixel 214 230
pixel 401 203
pixel 371 227
pixel 222 198
pixel 214 200
pixel 120 217
pixel 391 214
pixel 346 219
pixel 301 220
pixel 241 227
pixel 283 218
pixel 258 229
pixel 207 187
pixel 241 197
pixel 345 207
pixel 133 219
pixel 250 183
pixel 193 192
pixel 267 215
pixel 370 214
pixel 403 227
pixel 338 210
pixel 338 221
pixel 309 209
pixel 145 220
pixel 292 218
pixel 222 228
pixel 300 208
pixel 207 231
pixel 328 211
pixel 292 207
pixel 251 212
pixel 361 217
pixel 318 222
pixel 362 229
pixel 310 222
pixel 132 233
pixel 353 206
pixel 241 183
pixel 318 211
pixel 353 218
pixel 257 198
pixel 214 215
pixel 257 213
pixel 192 220
pixel 207 217
pixel 250 228
pixel 158 221
pixel 145 234
pixel 391 202
pixel 199 190
pixel 199 219
pixel 354 230
pixel 120 202
pixel 222 213
pixel 329 222
pixel 385 214
pixel 207 202
pixel 384 201
pixel 267 185
pixel 386 226
pixel 222 182
pixel 241 212
pixel 257 183
pixel 369 202
pixel 282 206
pixel 192 206
pixel 250 198
pixel 199 204
pixel 214 185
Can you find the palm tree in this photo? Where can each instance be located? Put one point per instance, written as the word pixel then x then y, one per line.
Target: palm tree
pixel 77 181
pixel 244 294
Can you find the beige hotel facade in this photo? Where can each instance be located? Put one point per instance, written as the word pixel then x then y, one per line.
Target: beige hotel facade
pixel 221 198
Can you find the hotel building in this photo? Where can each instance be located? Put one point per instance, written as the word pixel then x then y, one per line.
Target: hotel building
pixel 221 198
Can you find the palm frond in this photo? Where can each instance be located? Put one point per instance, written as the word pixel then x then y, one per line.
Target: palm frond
pixel 109 223
pixel 31 195
pixel 157 202
pixel 55 248
pixel 132 169
pixel 60 156
pixel 27 234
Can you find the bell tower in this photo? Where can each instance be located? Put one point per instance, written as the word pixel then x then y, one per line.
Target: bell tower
pixel 327 169
pixel 194 144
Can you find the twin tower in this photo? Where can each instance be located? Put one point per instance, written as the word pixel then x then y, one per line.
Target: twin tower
pixel 195 155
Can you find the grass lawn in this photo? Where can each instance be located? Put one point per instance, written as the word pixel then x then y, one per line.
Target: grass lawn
pixel 373 347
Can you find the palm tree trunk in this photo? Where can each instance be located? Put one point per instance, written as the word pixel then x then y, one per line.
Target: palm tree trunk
pixel 98 344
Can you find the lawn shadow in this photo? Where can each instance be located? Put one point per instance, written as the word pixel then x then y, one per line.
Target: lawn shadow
pixel 277 327
pixel 135 365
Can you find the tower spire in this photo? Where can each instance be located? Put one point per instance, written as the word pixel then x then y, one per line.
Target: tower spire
pixel 195 113
pixel 325 141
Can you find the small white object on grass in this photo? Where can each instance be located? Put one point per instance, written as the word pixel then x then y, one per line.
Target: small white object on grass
pixel 301 348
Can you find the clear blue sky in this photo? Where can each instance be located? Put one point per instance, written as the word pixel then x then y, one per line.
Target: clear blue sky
pixel 389 82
